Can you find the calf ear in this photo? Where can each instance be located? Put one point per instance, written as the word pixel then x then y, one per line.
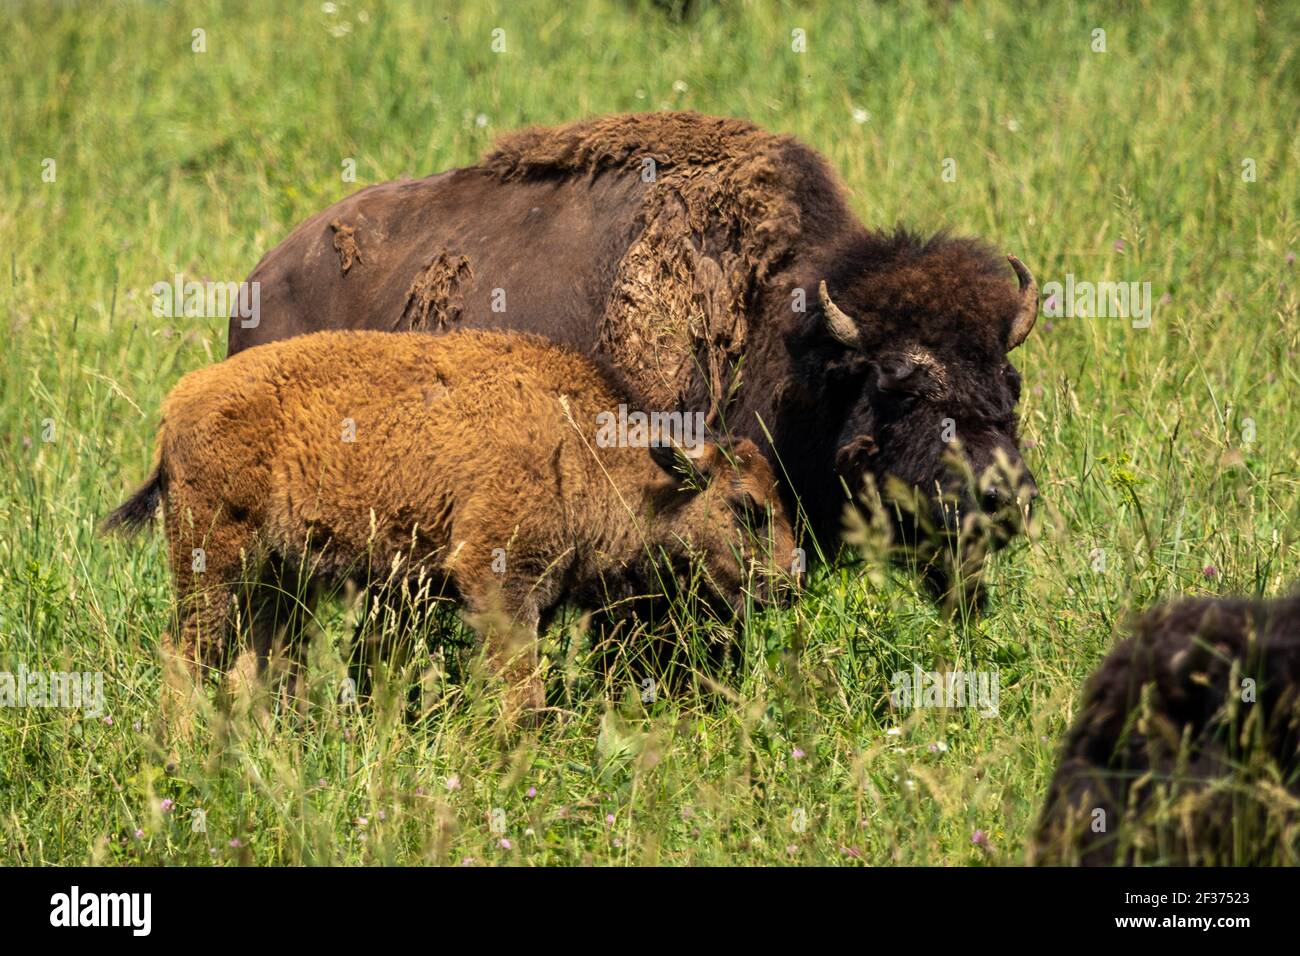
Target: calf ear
pixel 690 468
pixel 743 450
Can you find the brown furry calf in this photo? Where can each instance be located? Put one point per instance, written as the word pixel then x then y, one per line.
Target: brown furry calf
pixel 1187 747
pixel 471 463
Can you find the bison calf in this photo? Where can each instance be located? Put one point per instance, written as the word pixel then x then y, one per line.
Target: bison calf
pixel 1185 750
pixel 466 466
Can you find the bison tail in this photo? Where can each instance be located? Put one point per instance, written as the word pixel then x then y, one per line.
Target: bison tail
pixel 138 510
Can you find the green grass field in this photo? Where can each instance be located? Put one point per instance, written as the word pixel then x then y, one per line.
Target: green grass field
pixel 1167 456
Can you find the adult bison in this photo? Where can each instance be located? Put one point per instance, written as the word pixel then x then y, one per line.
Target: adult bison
pixel 1185 748
pixel 719 267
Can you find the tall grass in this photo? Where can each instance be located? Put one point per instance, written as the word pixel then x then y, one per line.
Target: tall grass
pixel 1167 456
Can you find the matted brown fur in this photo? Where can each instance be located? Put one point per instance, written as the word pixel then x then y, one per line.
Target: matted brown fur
pixel 717 215
pixel 345 244
pixel 468 464
pixel 436 293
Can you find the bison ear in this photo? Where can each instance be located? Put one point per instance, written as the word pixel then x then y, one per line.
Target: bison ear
pixel 665 456
pixel 690 468
pixel 742 449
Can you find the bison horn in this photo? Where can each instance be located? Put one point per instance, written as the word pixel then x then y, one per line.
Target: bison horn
pixel 1023 323
pixel 842 328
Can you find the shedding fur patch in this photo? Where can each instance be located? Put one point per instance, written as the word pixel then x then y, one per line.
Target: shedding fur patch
pixel 717 218
pixel 345 244
pixel 923 358
pixel 436 292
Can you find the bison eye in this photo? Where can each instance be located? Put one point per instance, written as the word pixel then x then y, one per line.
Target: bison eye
pixel 895 373
pixel 898 404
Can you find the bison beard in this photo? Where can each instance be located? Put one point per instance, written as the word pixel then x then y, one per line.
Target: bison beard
pixel 690 252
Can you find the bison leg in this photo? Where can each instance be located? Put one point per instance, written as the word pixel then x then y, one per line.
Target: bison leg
pixel 506 621
pixel 385 637
pixel 279 617
pixel 204 613
pixel 207 555
pixel 510 646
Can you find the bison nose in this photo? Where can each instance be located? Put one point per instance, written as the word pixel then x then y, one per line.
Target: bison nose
pixel 999 496
pixel 996 498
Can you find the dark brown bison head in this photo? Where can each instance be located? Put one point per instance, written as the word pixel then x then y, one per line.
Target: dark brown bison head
pixel 920 331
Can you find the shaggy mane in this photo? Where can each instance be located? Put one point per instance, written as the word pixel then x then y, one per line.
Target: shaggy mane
pixel 624 140
pixel 727 206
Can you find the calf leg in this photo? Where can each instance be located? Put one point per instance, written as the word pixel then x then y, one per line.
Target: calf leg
pixel 506 618
pixel 207 554
pixel 279 618
pixel 200 646
pixel 384 637
pixel 512 653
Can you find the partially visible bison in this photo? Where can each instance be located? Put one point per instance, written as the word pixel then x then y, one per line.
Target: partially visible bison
pixel 721 269
pixel 466 467
pixel 1187 746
